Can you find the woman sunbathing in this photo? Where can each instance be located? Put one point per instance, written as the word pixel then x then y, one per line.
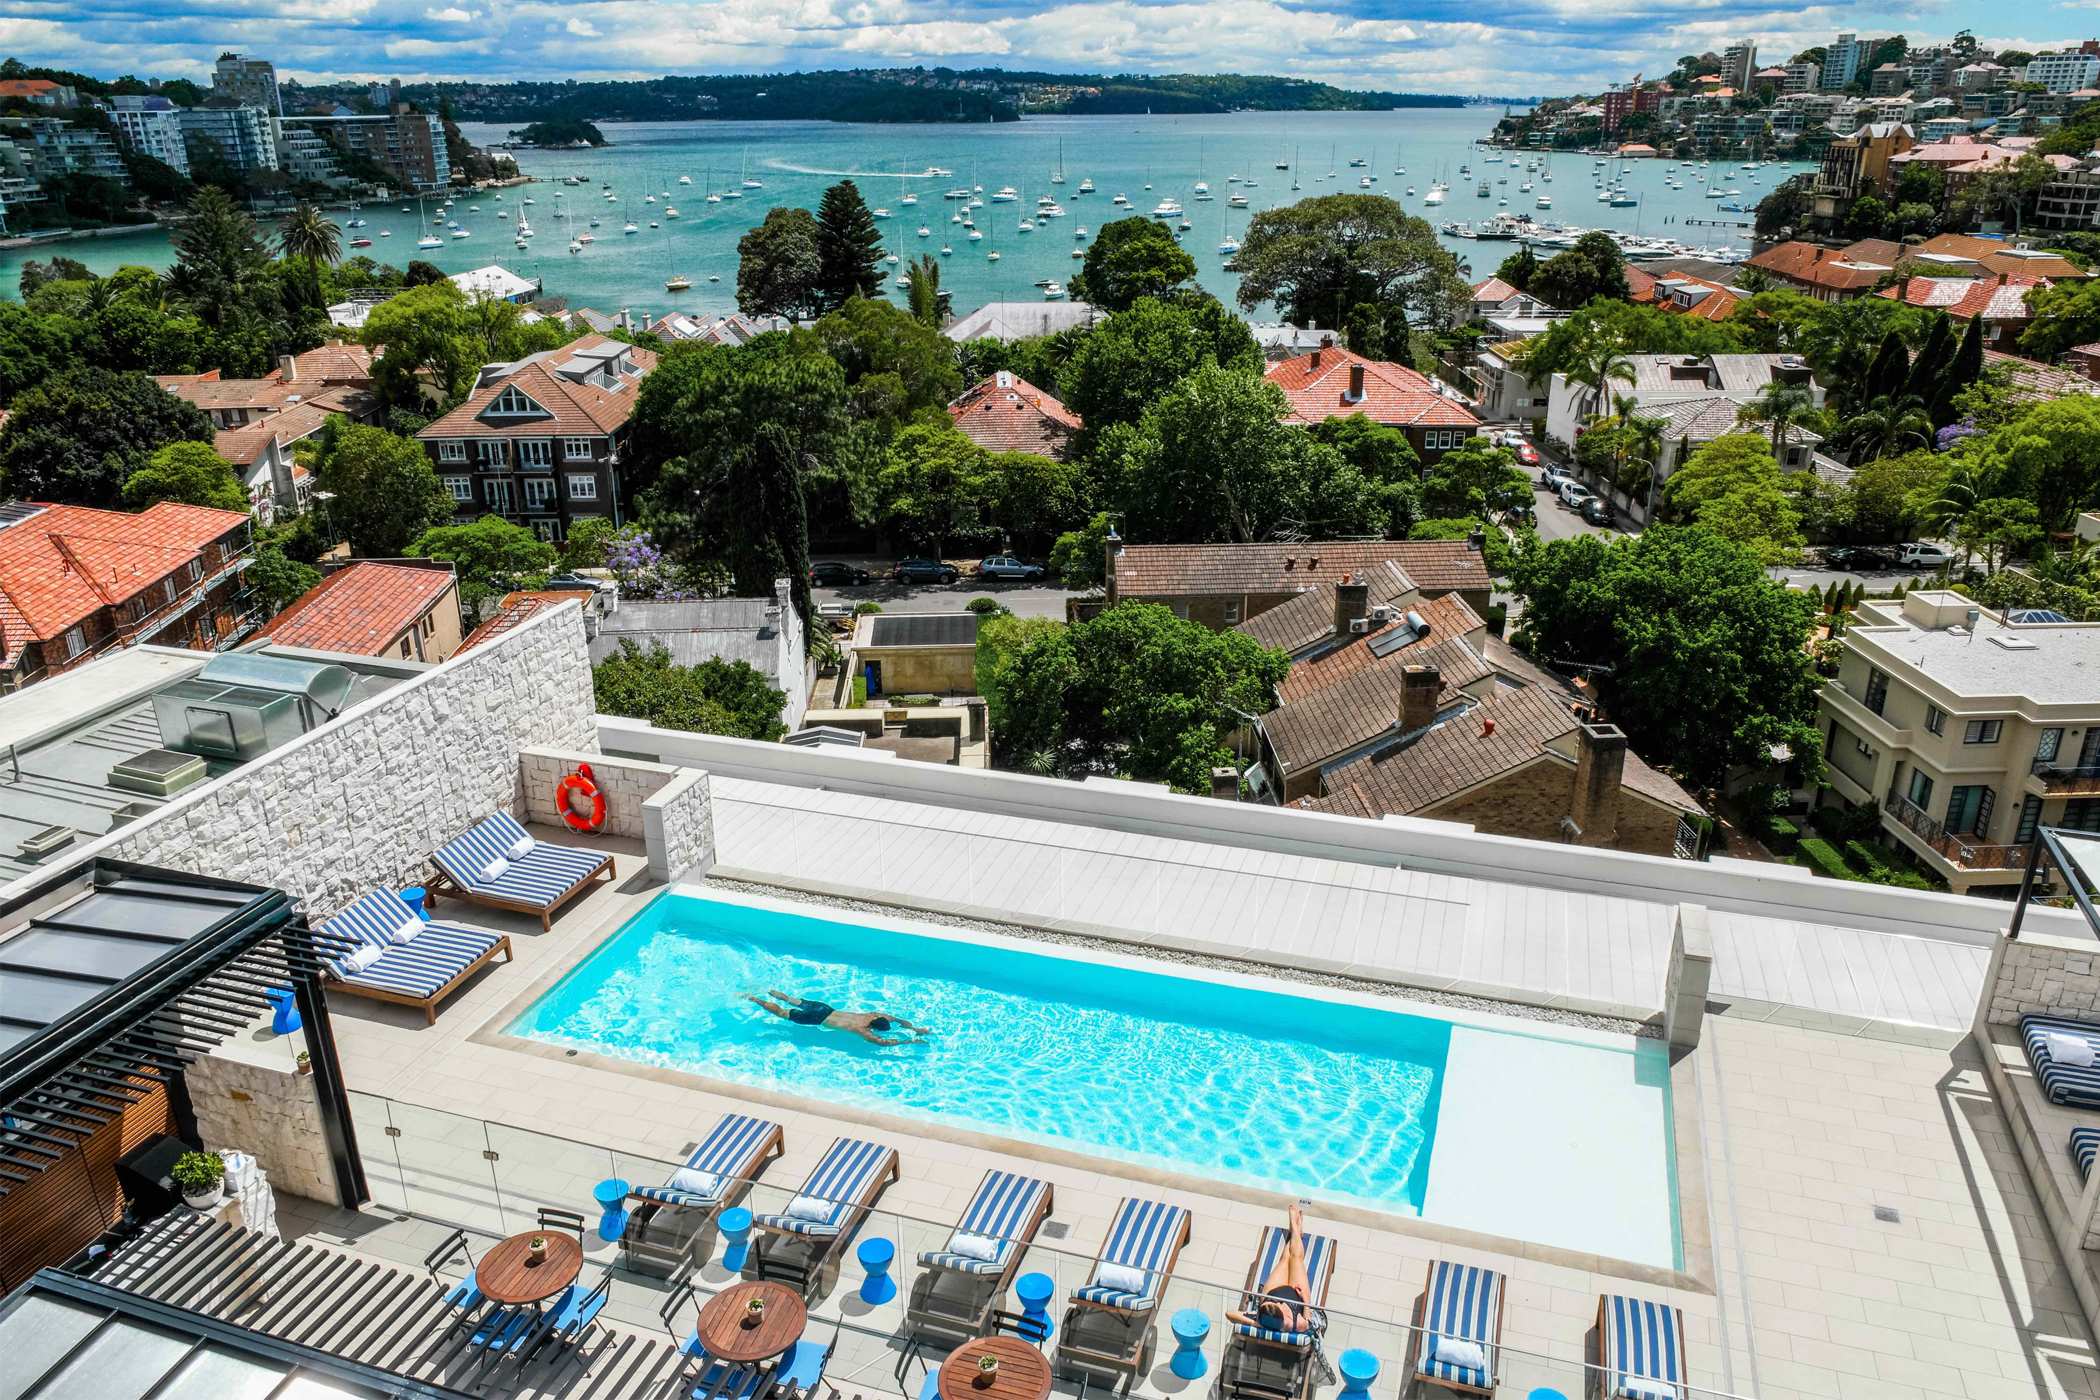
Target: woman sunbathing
pixel 865 1024
pixel 1284 1298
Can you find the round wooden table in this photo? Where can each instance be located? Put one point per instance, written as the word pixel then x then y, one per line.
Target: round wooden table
pixel 723 1323
pixel 508 1274
pixel 1023 1372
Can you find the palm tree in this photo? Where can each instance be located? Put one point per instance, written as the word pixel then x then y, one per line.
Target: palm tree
pixel 925 294
pixel 1886 425
pixel 1841 342
pixel 1779 404
pixel 308 233
pixel 1597 364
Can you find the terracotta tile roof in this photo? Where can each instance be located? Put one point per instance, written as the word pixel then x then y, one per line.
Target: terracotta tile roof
pixel 209 391
pixel 1006 413
pixel 1447 617
pixel 1930 291
pixel 242 446
pixel 1709 301
pixel 63 564
pixel 518 607
pixel 1639 285
pixel 1358 708
pixel 570 407
pixel 1495 290
pixel 337 362
pixel 1820 267
pixel 1996 256
pixel 1309 618
pixel 1199 570
pixel 1317 386
pixel 361 610
pixel 2034 382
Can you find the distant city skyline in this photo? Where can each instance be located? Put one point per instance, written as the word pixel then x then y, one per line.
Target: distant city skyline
pixel 1497 47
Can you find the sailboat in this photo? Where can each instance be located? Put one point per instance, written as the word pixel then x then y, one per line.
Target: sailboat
pixel 1059 177
pixel 749 183
pixel 1202 187
pixel 678 281
pixel 712 197
pixel 428 240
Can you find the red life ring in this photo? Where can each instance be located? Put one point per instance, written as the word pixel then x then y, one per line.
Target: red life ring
pixel 579 783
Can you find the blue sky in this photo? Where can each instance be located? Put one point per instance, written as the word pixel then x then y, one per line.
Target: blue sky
pixel 1498 46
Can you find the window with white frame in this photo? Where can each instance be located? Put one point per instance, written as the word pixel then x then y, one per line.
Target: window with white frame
pixel 498 494
pixel 539 492
pixel 73 643
pixel 460 488
pixel 511 402
pixel 535 452
pixel 1444 439
pixel 452 451
pixel 494 453
pixel 576 449
pixel 547 530
pixel 583 488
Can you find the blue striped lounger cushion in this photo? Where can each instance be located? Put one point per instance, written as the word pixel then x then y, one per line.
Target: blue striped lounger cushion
pixel 419 968
pixel 538 878
pixel 2064 1084
pixel 2085 1144
pixel 1643 1346
pixel 1144 1236
pixel 1002 1208
pixel 842 1178
pixel 1464 1302
pixel 728 1152
pixel 1319 1267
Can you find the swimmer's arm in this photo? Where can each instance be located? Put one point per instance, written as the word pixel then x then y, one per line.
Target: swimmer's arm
pixel 874 1039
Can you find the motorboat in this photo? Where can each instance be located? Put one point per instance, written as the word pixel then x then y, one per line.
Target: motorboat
pixel 1435 195
pixel 992 256
pixel 685 179
pixel 630 229
pixel 1086 186
pixel 925 232
pixel 975 235
pixel 878 213
pixel 1028 226
pixel 360 242
pixel 1006 195
pixel 670 213
pixel 430 240
pixel 679 283
pixel 1054 292
pixel 1166 209
pixel 909 199
pixel 574 246
pixel 946 250
pixel 1238 201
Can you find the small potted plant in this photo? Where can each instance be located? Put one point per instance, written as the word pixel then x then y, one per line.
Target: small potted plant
pixel 754 1310
pixel 537 1248
pixel 987 1369
pixel 304 1062
pixel 199 1174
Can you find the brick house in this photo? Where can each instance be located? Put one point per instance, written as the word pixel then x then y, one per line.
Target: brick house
pixel 1225 585
pixel 1006 413
pixel 408 610
pixel 538 441
pixel 1333 383
pixel 2001 301
pixel 77 582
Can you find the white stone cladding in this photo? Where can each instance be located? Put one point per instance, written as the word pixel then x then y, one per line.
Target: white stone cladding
pixel 269 1114
pixel 680 827
pixel 2042 975
pixel 361 802
pixel 669 808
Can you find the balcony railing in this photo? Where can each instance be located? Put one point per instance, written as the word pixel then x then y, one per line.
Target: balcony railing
pixel 2066 779
pixel 1960 850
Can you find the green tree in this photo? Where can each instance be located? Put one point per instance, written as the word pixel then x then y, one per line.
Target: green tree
pixel 222 266
pixel 1519 268
pixel 1131 259
pixel 1780 404
pixel 849 248
pixel 1080 557
pixel 1379 331
pixel 309 234
pixel 1880 492
pixel 1139 693
pixel 1927 366
pixel 589 541
pixel 1475 481
pixel 1731 487
pixel 932 486
pixel 1709 657
pixel 2049 455
pixel 894 364
pixel 1965 369
pixel 492 557
pixel 1866 217
pixel 386 494
pixel 1320 257
pixel 32 349
pixel 188 473
pixel 1887 425
pixel 2066 315
pixel 78 436
pixel 428 346
pixel 1891 367
pixel 279 581
pixel 779 269
pixel 2000 529
pixel 715 697
pixel 925 294
pixel 1034 498
pixel 1132 359
pixel 1593 268
pixel 999 641
pixel 1382 456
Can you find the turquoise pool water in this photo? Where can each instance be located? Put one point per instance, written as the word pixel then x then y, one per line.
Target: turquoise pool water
pixel 1212 1077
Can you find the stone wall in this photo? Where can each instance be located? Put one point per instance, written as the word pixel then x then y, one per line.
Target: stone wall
pixel 361 802
pixel 680 821
pixel 271 1114
pixel 2042 975
pixel 625 783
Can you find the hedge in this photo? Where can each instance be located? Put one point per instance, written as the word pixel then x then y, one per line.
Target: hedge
pixel 1781 835
pixel 1822 857
pixel 1881 870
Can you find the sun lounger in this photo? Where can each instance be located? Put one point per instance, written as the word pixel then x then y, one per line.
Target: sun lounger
pixel 1263 1360
pixel 421 972
pixel 831 1203
pixel 669 1218
pixel 2085 1145
pixel 1144 1242
pixel 1642 1348
pixel 1461 1314
pixel 965 1279
pixel 2075 1085
pixel 500 865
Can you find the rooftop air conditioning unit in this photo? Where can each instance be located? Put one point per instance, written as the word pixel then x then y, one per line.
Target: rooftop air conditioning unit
pixel 1359 625
pixel 1382 614
pixel 158 772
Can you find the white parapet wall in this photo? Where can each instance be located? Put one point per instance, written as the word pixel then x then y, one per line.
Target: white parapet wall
pixel 668 808
pixel 360 802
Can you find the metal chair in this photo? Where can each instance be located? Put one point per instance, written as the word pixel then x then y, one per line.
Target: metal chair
pixel 551 1217
pixel 464 1298
pixel 1034 1331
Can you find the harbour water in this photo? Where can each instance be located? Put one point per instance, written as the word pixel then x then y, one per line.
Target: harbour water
pixel 1146 159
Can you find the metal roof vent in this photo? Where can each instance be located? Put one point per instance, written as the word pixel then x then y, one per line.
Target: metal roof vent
pixel 51 838
pixel 158 772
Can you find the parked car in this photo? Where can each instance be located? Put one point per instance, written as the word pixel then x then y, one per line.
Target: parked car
pixel 1597 511
pixel 1005 566
pixel 918 570
pixel 1574 493
pixel 1856 558
pixel 1527 454
pixel 829 573
pixel 1552 477
pixel 1927 556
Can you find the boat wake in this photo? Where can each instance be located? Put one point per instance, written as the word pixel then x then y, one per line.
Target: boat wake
pixel 849 174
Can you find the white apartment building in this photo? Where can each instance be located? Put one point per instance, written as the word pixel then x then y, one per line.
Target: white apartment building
pixel 1802 77
pixel 304 153
pixel 151 126
pixel 2064 72
pixel 1841 61
pixel 240 136
pixel 1968 729
pixel 252 82
pixel 1738 65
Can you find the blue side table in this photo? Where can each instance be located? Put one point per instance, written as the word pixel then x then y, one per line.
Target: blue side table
pixel 1359 1369
pixel 1034 1291
pixel 611 1197
pixel 284 1010
pixel 1191 1326
pixel 735 1224
pixel 1546 1393
pixel 876 1256
pixel 418 899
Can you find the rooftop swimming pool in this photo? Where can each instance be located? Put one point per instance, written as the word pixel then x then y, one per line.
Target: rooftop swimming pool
pixel 1482 1122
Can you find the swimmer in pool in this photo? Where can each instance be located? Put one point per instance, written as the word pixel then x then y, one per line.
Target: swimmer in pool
pixel 1284 1297
pixel 868 1025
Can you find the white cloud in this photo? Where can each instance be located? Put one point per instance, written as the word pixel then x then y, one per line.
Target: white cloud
pixel 452 15
pixel 583 27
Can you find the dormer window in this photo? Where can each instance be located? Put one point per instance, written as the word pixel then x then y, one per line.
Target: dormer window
pixel 511 402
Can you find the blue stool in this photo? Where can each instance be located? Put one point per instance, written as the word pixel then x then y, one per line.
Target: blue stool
pixel 284 1011
pixel 611 1197
pixel 1546 1393
pixel 1359 1369
pixel 876 1256
pixel 735 1224
pixel 1191 1326
pixel 417 898
pixel 1034 1291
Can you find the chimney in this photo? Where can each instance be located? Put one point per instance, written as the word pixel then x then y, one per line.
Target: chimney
pixel 1487 729
pixel 1326 342
pixel 287 369
pixel 1225 784
pixel 1356 381
pixel 623 320
pixel 1351 601
pixel 1599 767
pixel 1476 540
pixel 1316 358
pixel 1113 544
pixel 1419 688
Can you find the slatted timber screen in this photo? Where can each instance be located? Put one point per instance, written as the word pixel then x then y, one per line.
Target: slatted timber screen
pixel 59 1211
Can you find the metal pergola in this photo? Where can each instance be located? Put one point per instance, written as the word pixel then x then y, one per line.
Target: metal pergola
pixel 2076 855
pixel 115 976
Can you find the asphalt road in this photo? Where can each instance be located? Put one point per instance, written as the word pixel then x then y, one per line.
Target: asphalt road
pixel 1560 522
pixel 1024 599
